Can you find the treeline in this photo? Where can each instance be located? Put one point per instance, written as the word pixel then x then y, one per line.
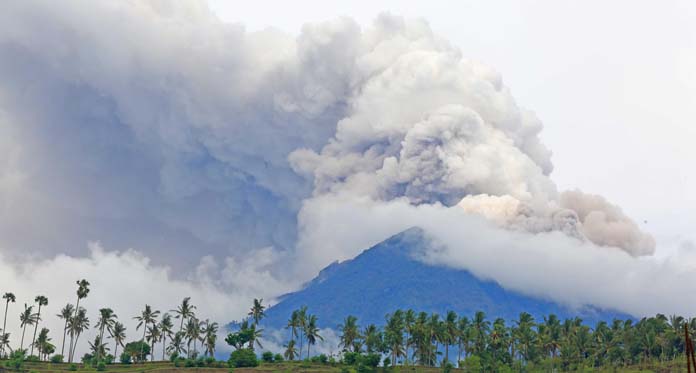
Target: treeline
pixel 178 333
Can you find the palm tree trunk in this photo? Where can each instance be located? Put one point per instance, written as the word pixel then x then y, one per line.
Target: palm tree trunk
pixel 142 345
pixel 36 327
pixel 72 333
pixel 21 344
pixel 164 344
pixel 72 355
pixel 116 351
pixel 4 325
pixel 65 331
pixel 308 346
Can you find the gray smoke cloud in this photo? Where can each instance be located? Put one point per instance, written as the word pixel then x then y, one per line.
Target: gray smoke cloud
pixel 220 155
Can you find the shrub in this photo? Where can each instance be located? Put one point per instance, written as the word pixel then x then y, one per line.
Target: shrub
pixel 57 358
pixel 125 358
pixel 447 368
pixel 371 360
pixel 278 358
pixel 173 357
pixel 345 370
pixel 72 367
pixel 33 359
pixel 362 368
pixel 210 361
pixel 101 366
pixel 267 357
pixel 350 358
pixel 244 357
pixel 190 363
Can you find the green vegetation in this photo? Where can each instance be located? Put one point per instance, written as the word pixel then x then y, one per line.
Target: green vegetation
pixel 408 341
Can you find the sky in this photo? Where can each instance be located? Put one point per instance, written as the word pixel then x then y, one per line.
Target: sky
pixel 228 151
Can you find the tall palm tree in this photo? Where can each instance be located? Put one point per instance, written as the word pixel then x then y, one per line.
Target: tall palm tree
pixel 293 324
pixel 349 333
pixel 42 301
pixel 302 319
pixel 5 341
pixel 450 332
pixel 209 331
pixel 312 332
pixel 106 321
pixel 118 333
pixel 8 297
pixel 66 313
pixel 27 317
pixel 147 316
pixel 166 329
pixel 184 311
pixel 257 311
pixel 193 333
pixel 78 324
pixel 82 292
pixel 153 335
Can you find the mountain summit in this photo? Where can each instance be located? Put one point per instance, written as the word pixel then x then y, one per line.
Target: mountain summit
pixel 387 277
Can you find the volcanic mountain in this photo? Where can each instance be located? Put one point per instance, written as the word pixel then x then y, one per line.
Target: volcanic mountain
pixel 387 277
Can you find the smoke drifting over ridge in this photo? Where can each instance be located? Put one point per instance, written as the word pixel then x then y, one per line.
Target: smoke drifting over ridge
pixel 182 137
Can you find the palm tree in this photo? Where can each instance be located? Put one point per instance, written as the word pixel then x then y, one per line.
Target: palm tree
pixel 42 301
pixel 66 313
pixel 42 343
pixel 166 329
pixel 147 317
pixel 293 324
pixel 118 333
pixel 302 319
pixel 176 345
pixel 257 310
pixel 350 333
pixel 209 331
pixel 107 318
pixel 8 297
pixel 312 332
pixel 78 324
pixel 184 311
pixel 450 332
pixel 82 292
pixel 394 334
pixel 28 317
pixel 5 341
pixel 290 350
pixel 99 348
pixel 153 335
pixel 193 333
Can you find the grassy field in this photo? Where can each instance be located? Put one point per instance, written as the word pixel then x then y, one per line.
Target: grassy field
pixel 287 367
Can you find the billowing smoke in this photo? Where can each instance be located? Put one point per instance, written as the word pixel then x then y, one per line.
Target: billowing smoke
pixel 155 126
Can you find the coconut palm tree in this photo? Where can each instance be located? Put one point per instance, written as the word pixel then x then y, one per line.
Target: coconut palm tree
pixel 312 332
pixel 450 332
pixel 8 297
pixel 193 333
pixel 166 329
pixel 99 348
pixel 209 331
pixel 66 313
pixel 349 333
pixel 290 350
pixel 42 301
pixel 82 292
pixel 184 311
pixel 302 321
pixel 106 321
pixel 78 324
pixel 293 324
pixel 43 343
pixel 147 316
pixel 176 345
pixel 5 341
pixel 153 335
pixel 257 311
pixel 27 317
pixel 118 333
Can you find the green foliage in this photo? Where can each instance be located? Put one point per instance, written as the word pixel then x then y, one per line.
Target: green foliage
pixel 32 358
pixel 125 358
pixel 350 358
pixel 138 351
pixel 57 358
pixel 72 367
pixel 386 362
pixel 278 358
pixel 243 357
pixel 447 368
pixel 267 356
pixel 371 360
pixel 321 359
pixel 101 366
pixel 473 364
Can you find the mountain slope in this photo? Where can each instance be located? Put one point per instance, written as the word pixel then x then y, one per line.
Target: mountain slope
pixel 386 277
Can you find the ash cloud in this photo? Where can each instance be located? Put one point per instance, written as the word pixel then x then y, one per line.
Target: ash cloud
pixel 155 126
